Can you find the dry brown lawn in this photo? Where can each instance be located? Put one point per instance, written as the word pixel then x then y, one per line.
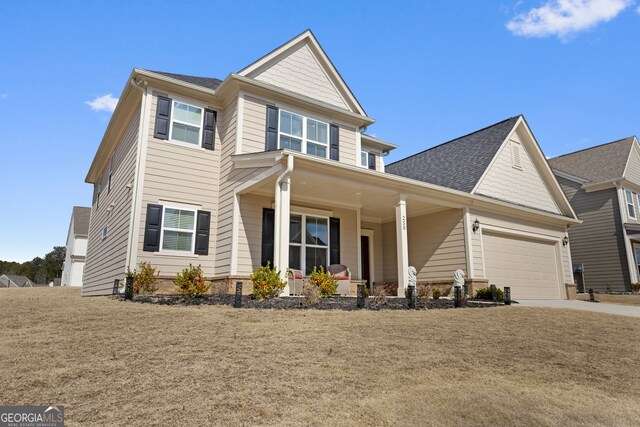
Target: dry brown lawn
pixel 116 363
pixel 633 299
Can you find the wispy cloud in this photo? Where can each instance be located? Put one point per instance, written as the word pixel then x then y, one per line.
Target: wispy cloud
pixel 103 103
pixel 564 18
pixel 4 96
pixel 638 9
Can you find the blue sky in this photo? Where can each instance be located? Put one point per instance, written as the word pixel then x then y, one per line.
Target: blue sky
pixel 426 71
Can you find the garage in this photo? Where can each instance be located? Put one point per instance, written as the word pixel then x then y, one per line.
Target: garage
pixel 529 266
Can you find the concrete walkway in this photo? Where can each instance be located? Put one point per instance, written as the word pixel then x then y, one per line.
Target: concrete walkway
pixel 622 310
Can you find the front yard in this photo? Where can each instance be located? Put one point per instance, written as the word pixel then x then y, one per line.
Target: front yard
pixel 120 363
pixel 628 299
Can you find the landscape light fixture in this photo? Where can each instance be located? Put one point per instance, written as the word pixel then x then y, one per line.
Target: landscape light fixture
pixel 475 225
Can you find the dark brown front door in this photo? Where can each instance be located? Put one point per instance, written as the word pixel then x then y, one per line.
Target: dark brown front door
pixel 364 259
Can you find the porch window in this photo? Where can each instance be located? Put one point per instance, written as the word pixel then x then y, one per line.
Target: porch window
pixel 178 228
pixel 186 123
pixel 310 248
pixel 631 210
pixel 303 134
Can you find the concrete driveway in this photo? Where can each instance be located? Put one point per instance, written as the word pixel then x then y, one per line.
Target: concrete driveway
pixel 622 310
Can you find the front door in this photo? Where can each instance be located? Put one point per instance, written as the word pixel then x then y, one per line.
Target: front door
pixel 364 259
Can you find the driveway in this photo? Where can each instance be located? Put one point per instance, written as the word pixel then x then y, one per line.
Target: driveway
pixel 622 310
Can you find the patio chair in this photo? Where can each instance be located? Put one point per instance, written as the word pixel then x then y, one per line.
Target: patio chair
pixel 342 275
pixel 296 281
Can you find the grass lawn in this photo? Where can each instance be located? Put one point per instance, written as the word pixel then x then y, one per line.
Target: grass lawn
pixel 633 299
pixel 116 363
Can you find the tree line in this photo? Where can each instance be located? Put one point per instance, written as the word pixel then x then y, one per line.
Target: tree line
pixel 38 270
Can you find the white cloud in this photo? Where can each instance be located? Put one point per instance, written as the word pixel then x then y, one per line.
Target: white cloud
pixel 563 18
pixel 103 103
pixel 638 9
pixel 4 96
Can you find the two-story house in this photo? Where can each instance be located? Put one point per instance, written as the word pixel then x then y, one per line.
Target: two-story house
pixel 76 247
pixel 272 164
pixel 603 185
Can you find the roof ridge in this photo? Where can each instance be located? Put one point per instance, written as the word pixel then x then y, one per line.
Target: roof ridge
pixel 455 139
pixel 595 146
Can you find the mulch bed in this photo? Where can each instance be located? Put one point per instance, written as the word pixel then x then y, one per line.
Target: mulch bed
pixel 289 303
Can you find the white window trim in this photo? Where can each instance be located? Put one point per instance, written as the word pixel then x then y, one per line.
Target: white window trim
pixel 104 232
pixel 632 203
pixel 201 127
pixel 375 160
pixel 180 230
pixel 303 241
pixel 303 138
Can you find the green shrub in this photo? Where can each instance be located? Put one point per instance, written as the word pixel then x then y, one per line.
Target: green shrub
pixel 485 294
pixel 144 281
pixel 191 282
pixel 435 293
pixel 323 281
pixel 266 282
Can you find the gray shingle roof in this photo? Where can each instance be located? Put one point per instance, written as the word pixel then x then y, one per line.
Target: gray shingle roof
pixel 208 82
pixel 81 220
pixel 459 163
pixel 597 164
pixel 18 280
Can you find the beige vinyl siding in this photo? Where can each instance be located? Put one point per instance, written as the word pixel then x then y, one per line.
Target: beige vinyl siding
pixel 378 260
pixel 348 146
pixel 183 175
pixel 476 251
pixel 632 173
pixel 598 242
pixel 299 71
pixel 106 258
pixel 436 246
pixel 522 186
pixel 567 267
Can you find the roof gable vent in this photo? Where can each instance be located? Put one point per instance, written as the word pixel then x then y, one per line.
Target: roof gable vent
pixel 515 155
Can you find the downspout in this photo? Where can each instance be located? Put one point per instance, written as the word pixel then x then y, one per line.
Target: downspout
pixel 276 228
pixel 136 185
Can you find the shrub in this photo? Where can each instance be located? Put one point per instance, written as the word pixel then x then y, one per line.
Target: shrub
pixel 266 282
pixel 191 282
pixel 220 288
pixel 423 292
pixel 635 287
pixel 144 281
pixel 436 293
pixel 380 295
pixel 485 294
pixel 310 295
pixel 324 281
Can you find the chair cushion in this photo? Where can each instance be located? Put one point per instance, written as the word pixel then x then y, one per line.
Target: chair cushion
pixel 336 277
pixel 297 276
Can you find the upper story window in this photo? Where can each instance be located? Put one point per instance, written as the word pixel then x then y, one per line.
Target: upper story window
pixel 178 229
pixel 302 134
pixel 631 210
pixel 186 123
pixel 367 160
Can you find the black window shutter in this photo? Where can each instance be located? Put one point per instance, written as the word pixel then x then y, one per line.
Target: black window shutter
pixel 163 115
pixel 202 233
pixel 272 128
pixel 152 229
pixel 334 237
pixel 334 143
pixel 372 161
pixel 209 130
pixel 268 230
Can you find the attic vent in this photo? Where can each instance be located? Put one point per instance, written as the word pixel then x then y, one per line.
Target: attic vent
pixel 515 155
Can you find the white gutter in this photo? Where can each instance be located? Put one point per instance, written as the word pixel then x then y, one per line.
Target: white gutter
pixel 276 220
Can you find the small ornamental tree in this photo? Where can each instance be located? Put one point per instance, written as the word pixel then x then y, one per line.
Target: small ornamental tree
pixel 324 281
pixel 145 280
pixel 266 282
pixel 191 282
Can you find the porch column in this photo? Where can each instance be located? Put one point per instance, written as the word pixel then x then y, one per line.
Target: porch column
pixel 283 246
pixel 402 245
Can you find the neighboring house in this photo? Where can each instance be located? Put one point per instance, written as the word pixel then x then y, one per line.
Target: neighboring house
pixel 76 250
pixel 13 281
pixel 603 184
pixel 273 165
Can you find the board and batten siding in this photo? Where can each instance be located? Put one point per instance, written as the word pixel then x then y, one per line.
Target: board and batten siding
pixel 523 186
pixel 436 246
pixel 184 175
pixel 598 242
pixel 106 258
pixel 299 71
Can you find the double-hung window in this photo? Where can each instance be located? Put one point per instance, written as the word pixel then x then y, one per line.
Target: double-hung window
pixel 308 242
pixel 178 229
pixel 367 160
pixel 186 123
pixel 631 210
pixel 303 134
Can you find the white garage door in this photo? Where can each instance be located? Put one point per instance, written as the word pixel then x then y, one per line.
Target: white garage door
pixel 528 266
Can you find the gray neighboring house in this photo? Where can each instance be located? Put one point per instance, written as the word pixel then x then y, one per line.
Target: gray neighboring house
pixel 13 281
pixel 603 185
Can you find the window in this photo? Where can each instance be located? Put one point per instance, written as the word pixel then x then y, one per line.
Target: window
pixel 367 160
pixel 303 134
pixel 310 248
pixel 631 210
pixel 186 123
pixel 105 232
pixel 178 229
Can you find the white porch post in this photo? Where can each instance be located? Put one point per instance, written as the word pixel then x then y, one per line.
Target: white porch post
pixel 283 240
pixel 402 245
